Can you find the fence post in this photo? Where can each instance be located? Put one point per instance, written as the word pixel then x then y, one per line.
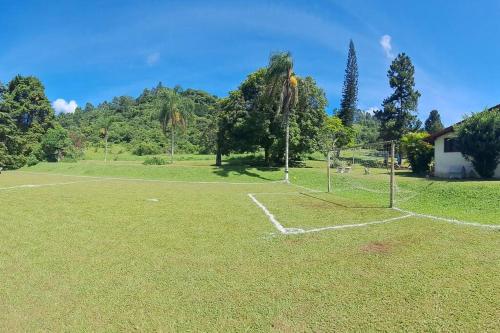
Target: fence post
pixel 392 176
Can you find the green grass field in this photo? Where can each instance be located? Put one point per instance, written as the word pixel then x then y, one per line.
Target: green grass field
pixel 120 246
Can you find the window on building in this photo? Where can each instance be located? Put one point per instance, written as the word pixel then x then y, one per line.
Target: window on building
pixel 451 145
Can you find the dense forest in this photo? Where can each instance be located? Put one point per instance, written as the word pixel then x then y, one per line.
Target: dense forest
pixel 241 122
pixel 238 123
pixel 273 108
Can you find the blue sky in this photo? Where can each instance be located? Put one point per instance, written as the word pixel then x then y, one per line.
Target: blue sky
pixel 90 51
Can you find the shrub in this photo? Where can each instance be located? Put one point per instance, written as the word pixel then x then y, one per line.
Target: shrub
pixel 55 144
pixel 145 148
pixel 373 163
pixel 10 161
pixel 155 160
pixel 32 160
pixel 479 141
pixel 418 151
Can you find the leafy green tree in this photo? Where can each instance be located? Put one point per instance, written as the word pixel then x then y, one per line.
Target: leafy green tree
pixel 366 126
pixel 307 118
pixel 433 123
pixel 419 152
pixel 335 134
pixel 11 145
pixel 398 116
pixel 248 119
pixel 281 79
pixel 230 124
pixel 479 140
pixel 263 125
pixel 25 101
pixel 350 90
pixel 174 111
pixel 55 143
pixel 202 130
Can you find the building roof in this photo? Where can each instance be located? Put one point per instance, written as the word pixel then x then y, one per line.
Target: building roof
pixel 431 138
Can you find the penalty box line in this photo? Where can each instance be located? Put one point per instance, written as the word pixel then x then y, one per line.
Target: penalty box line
pixel 453 221
pixel 270 216
pixel 292 231
pixel 432 217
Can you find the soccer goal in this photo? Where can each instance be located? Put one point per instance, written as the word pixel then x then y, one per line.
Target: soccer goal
pixel 364 171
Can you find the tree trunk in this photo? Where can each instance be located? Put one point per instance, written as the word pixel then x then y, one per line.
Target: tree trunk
pixel 267 156
pixel 218 157
pixel 172 147
pixel 106 148
pixel 287 136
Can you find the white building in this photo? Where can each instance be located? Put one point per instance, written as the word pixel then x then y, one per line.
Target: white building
pixel 449 161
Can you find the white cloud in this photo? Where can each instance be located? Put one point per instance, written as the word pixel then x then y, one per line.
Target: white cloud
pixel 372 109
pixel 153 58
pixel 61 106
pixel 385 42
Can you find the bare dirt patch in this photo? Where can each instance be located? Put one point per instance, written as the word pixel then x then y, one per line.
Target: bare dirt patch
pixel 376 247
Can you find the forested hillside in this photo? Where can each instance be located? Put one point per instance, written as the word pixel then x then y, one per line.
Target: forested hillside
pixel 241 122
pixel 162 120
pixel 134 122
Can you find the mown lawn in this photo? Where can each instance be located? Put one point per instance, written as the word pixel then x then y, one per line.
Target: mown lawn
pixel 93 254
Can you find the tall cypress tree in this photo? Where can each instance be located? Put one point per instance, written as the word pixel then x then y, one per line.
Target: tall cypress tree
pixel 350 90
pixel 398 116
pixel 10 143
pixel 433 122
pixel 27 105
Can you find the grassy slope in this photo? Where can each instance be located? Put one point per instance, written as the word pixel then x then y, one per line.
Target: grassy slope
pixel 102 258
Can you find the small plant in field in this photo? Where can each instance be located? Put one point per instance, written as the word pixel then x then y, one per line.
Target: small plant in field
pixel 155 160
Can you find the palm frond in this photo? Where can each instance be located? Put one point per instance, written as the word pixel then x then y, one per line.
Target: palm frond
pixel 174 110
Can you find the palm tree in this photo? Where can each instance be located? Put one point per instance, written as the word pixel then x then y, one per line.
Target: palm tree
pixel 174 111
pixel 106 123
pixel 281 80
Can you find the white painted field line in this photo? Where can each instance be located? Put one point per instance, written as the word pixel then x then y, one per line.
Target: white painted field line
pixel 153 180
pixel 289 231
pixel 271 217
pixel 454 221
pixel 45 185
pixel 345 226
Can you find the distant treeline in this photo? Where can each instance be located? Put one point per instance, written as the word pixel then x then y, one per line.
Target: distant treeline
pixel 250 119
pixel 30 131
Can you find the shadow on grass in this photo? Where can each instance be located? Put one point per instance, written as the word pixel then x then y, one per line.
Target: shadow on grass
pixel 241 165
pixel 258 161
pixel 343 205
pixel 226 170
